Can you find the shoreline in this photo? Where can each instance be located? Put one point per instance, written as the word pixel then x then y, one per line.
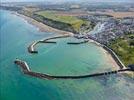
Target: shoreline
pixel 31 48
pixel 110 59
pixel 26 70
pixel 41 26
pixel 45 28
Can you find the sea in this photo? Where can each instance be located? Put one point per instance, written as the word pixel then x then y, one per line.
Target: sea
pixel 16 34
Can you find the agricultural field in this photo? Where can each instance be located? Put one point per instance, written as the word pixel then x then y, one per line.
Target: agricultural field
pixel 115 14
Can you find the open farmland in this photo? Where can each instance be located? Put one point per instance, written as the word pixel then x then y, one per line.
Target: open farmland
pixel 121 14
pixel 115 14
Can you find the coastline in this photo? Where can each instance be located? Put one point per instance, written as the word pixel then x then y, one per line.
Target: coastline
pixel 45 28
pixel 26 70
pixel 41 26
pixel 110 59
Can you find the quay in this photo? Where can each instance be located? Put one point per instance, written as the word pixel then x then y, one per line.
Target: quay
pixel 26 70
pixel 85 41
pixel 31 48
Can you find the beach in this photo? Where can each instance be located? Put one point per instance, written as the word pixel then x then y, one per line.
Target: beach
pixel 42 27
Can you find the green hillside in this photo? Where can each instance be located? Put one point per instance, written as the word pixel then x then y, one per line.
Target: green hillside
pixel 124 48
pixel 74 22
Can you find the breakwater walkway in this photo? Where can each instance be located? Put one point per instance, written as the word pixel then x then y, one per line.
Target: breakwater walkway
pixel 75 43
pixel 31 48
pixel 26 70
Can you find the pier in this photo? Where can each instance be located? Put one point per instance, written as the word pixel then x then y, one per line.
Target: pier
pixel 31 48
pixel 116 58
pixel 75 43
pixel 26 70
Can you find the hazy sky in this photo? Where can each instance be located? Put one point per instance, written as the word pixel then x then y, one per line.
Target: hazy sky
pixel 69 0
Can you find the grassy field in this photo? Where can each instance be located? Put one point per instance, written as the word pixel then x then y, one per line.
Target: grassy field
pixel 28 11
pixel 72 20
pixel 124 48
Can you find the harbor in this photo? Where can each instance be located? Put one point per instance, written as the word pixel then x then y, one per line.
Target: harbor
pixel 26 70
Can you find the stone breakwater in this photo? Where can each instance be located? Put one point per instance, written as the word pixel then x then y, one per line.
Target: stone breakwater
pixel 31 48
pixel 116 58
pixel 26 70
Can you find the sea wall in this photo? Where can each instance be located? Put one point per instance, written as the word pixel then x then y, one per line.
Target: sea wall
pixel 26 70
pixel 117 60
pixel 110 51
pixel 31 47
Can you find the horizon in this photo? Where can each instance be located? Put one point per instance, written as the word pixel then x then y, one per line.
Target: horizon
pixel 58 1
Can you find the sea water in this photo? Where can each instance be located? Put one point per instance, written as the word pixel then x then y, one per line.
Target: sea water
pixel 56 59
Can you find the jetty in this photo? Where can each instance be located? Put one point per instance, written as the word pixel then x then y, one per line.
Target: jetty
pixel 75 43
pixel 31 47
pixel 26 70
pixel 116 58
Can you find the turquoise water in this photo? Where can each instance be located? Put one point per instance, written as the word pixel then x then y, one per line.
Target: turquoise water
pixel 63 59
pixel 60 59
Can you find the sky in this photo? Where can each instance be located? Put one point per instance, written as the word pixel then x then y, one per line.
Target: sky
pixel 67 0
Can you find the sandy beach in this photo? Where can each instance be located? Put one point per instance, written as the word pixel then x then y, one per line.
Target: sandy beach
pixel 107 55
pixel 111 60
pixel 42 27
